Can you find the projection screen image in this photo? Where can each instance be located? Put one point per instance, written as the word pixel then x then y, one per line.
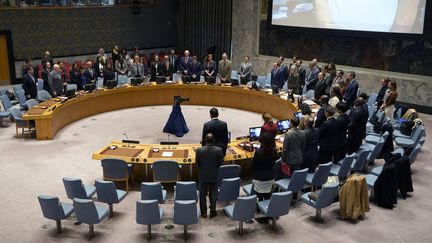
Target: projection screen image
pixel 394 16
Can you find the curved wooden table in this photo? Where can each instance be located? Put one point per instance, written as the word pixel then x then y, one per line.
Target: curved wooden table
pixel 58 114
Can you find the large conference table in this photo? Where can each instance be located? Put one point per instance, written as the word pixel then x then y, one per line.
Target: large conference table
pixel 52 115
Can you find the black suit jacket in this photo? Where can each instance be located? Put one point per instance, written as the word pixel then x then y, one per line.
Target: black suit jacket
pixel 45 74
pixel 156 71
pixel 168 70
pixel 29 86
pixel 356 129
pixel 209 158
pixel 343 122
pixel 328 135
pixel 219 129
pixel 320 118
pixel 320 89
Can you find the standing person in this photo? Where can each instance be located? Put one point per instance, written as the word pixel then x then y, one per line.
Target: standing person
pixel 294 79
pixel 302 75
pixel 312 77
pixel 136 52
pixel 28 63
pixel 210 70
pixel 102 54
pixel 45 73
pixel 269 125
pixel 389 99
pixel 29 84
pixel 335 96
pixel 75 77
pixel 55 81
pixel 320 86
pixel 99 66
pixel 108 72
pixel 136 70
pixel 352 89
pixel 185 63
pixel 310 153
pixel 218 128
pixel 357 126
pixel 339 79
pixel 328 137
pixel 343 121
pixel 167 68
pixel 209 158
pixel 47 58
pixel 262 163
pixel 115 55
pixel 245 70
pixel 293 146
pixel 225 69
pixel 156 68
pixel 384 85
pixel 121 66
pixel 195 69
pixel 174 60
pixel 278 76
pixel 320 116
pixel 90 73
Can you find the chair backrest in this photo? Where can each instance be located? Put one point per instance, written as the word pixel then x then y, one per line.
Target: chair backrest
pixel 244 208
pixel 346 165
pixel 3 91
pixel 261 80
pixel 17 87
pixel 309 95
pixel 377 149
pixel 51 207
pixel 229 189
pixel 297 180
pixel 185 212
pixel 71 87
pixel 74 188
pixel 279 204
pixel 165 171
pixel 43 95
pixel 185 190
pixel 381 115
pixel 16 113
pixel 30 103
pixel 228 171
pixel 21 97
pixel 147 212
pixel 414 153
pixel 106 191
pixel 6 102
pixel 372 109
pixel 85 211
pixel 326 196
pixel 417 133
pixel 114 168
pixel 234 74
pixel 151 190
pixel 320 176
pixel 40 84
pixel 361 160
pixel 371 99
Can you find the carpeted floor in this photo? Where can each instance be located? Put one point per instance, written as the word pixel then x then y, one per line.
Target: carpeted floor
pixel 30 167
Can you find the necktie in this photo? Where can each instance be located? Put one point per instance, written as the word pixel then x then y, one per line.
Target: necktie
pixel 137 70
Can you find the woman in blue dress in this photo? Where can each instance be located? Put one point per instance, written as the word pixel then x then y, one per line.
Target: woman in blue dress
pixel 176 123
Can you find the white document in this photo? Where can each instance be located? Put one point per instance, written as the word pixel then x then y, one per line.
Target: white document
pixel 167 154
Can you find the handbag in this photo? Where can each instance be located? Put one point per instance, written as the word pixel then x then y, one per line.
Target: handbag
pixel 285 169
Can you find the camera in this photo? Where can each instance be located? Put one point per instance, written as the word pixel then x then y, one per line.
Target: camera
pixel 178 99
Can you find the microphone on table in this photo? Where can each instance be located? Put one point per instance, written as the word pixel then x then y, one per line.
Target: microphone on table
pixel 127 139
pixel 169 145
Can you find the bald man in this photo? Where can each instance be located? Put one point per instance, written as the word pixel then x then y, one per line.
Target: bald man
pixel 185 63
pixel 225 69
pixel 55 81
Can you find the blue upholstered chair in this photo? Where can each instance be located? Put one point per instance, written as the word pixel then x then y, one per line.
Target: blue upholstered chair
pixel 75 188
pixel 185 213
pixel 53 209
pixel 166 171
pixel 148 212
pixel 295 183
pixel 186 191
pixel 153 190
pixel 234 75
pixel 3 115
pixel 16 88
pixel 7 105
pixel 229 190
pixel 398 133
pixel 43 95
pixel 261 81
pixel 415 138
pixel 371 99
pixel 242 210
pixel 20 122
pixel 117 170
pixel 309 95
pixel 88 212
pixel 359 163
pixel 343 167
pixel 40 83
pixel 325 198
pixel 107 193
pixel 249 189
pixel 22 99
pixel 71 87
pixel 278 205
pixel 228 171
pixel 320 176
pixel 30 103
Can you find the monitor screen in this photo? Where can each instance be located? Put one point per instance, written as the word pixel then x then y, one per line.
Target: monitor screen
pixel 389 16
pixel 283 125
pixel 254 132
pixel 299 115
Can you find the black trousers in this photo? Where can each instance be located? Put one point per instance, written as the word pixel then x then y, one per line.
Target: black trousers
pixel 211 188
pixel 326 156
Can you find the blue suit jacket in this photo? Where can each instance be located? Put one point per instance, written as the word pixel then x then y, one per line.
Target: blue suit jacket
pixel 195 69
pixel 312 79
pixel 351 93
pixel 185 65
pixel 278 77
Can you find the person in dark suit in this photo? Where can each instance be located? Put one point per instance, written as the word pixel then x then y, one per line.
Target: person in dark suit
pixel 312 77
pixel 90 73
pixel 45 72
pixel 108 72
pixel 29 84
pixel 47 58
pixel 328 137
pixel 156 68
pixel 174 60
pixel 262 166
pixel 75 76
pixel 218 128
pixel 195 69
pixel 210 70
pixel 246 70
pixel 302 74
pixel 99 66
pixel 185 64
pixel 55 81
pixel 208 158
pixel 294 145
pixel 352 89
pixel 278 76
pixel 310 153
pixel 380 97
pixel 320 86
pixel 343 122
pixel 321 117
pixel 357 126
pixel 167 68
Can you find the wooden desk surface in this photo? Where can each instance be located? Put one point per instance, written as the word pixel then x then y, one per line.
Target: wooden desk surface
pixel 59 114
